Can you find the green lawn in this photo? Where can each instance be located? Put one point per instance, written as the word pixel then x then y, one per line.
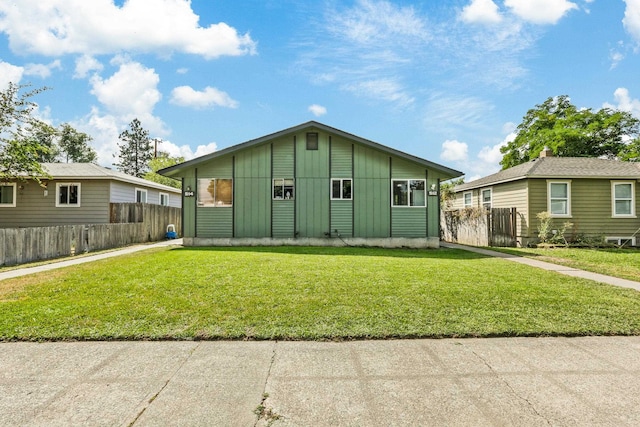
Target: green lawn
pixel 623 263
pixel 308 293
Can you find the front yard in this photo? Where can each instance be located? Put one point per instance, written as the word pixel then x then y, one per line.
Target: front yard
pixel 308 293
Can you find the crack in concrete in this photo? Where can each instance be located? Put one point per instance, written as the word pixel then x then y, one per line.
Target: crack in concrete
pixel 261 410
pixel 166 383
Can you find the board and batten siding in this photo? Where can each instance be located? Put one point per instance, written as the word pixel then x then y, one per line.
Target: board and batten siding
pixel 372 193
pixel 312 187
pixel 283 211
pixel 35 209
pixel 342 167
pixel 252 192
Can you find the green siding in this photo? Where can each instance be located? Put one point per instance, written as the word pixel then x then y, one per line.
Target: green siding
pixel 341 158
pixel 215 221
pixel 283 219
pixel 409 222
pixel 312 187
pixel 189 205
pixel 283 158
pixel 342 218
pixel 252 192
pixel 513 195
pixel 371 193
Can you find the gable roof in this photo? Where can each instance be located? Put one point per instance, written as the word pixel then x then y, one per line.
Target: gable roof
pixel 560 167
pixel 90 171
pixel 175 170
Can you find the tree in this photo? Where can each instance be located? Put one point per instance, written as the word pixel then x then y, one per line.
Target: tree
pixel 20 153
pixel 163 161
pixel 136 151
pixel 43 138
pixel 447 195
pixel 631 152
pixel 569 132
pixel 74 145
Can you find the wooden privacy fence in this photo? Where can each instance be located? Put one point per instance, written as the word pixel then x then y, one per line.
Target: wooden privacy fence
pixel 480 227
pixel 22 245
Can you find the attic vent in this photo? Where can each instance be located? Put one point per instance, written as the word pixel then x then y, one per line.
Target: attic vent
pixel 312 140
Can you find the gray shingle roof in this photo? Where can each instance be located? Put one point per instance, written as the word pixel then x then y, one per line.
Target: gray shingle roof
pixel 91 171
pixel 560 167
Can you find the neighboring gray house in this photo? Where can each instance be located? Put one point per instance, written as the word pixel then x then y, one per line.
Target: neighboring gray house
pixel 600 197
pixel 76 193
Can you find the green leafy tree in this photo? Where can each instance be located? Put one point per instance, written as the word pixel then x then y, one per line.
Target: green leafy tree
pixel 631 151
pixel 74 145
pixel 163 161
pixel 20 152
pixel 569 132
pixel 447 195
pixel 43 138
pixel 136 150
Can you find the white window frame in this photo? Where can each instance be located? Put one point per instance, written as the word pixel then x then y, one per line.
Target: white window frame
pixel 464 199
pixel 15 194
pixel 341 180
pixel 568 184
pixel 283 187
pixel 620 240
pixel 632 200
pixel 482 202
pixel 409 191
pixel 160 195
pixel 142 191
pixel 68 184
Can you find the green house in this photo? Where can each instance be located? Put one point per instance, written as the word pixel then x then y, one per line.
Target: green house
pixel 310 185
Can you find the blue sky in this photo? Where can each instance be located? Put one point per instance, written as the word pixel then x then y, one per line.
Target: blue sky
pixel 444 80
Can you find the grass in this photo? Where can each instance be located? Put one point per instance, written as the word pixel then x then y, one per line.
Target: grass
pixel 617 262
pixel 308 293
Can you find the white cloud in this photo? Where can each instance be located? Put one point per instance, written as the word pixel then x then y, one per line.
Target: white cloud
pixel 540 11
pixel 454 151
pixel 317 110
pixel 492 155
pixel 625 102
pixel 448 113
pixel 185 151
pixel 182 70
pixel 481 11
pixel 131 90
pixel 9 74
pixel 86 64
pixel 186 96
pixel 631 20
pixel 381 89
pixel 41 70
pixel 57 27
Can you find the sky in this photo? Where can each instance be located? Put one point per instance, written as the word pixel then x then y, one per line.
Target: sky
pixel 448 81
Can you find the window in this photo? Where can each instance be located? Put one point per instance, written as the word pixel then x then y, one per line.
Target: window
pixel 283 188
pixel 341 189
pixel 215 192
pixel 621 241
pixel 467 200
pixel 163 199
pixel 67 194
pixel 486 198
pixel 312 141
pixel 408 192
pixel 622 199
pixel 8 195
pixel 141 195
pixel 559 203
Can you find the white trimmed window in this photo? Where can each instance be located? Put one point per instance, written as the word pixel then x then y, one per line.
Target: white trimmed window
pixel 341 189
pixel 215 192
pixel 623 201
pixel 67 194
pixel 559 198
pixel 163 199
pixel 467 199
pixel 141 195
pixel 487 198
pixel 408 192
pixel 8 195
pixel 283 189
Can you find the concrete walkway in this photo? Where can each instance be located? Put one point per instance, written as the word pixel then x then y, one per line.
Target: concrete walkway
pixel 66 262
pixel 569 271
pixel 584 381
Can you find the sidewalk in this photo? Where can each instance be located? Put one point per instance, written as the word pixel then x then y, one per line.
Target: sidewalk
pixel 569 271
pixel 454 382
pixel 66 262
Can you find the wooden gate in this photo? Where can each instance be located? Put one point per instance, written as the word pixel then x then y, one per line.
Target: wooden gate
pixel 502 227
